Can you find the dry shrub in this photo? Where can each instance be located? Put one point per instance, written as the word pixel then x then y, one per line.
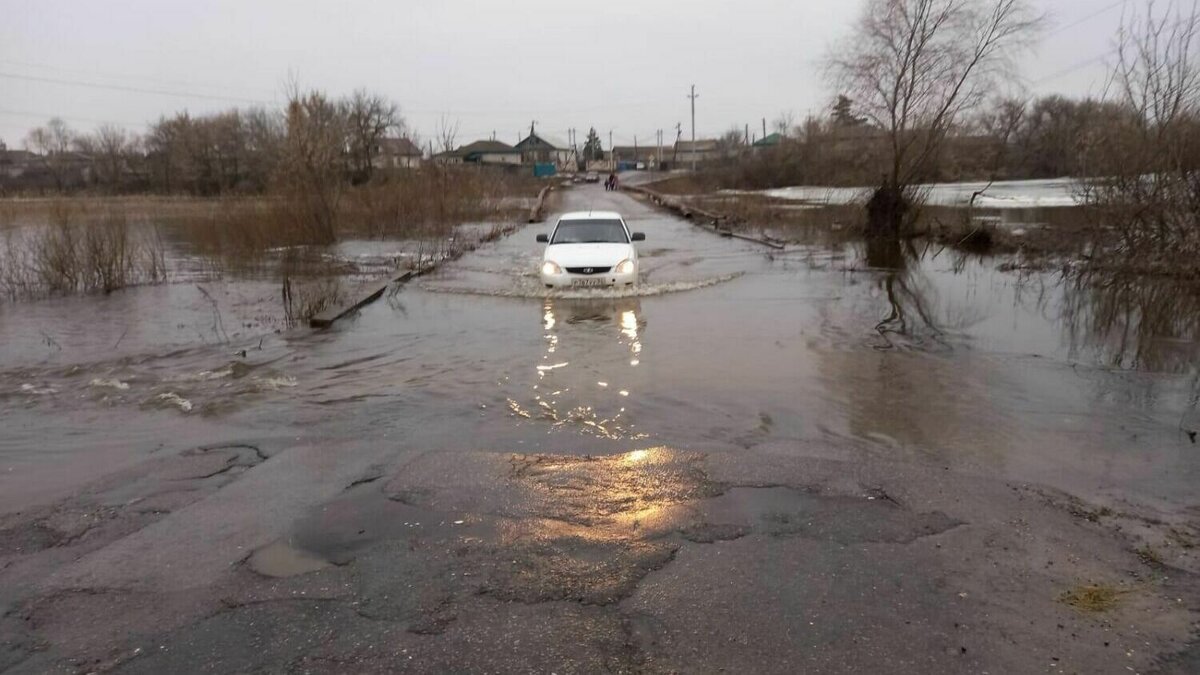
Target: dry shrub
pixel 1092 598
pixel 71 256
pixel 423 205
pixel 431 201
pixel 1146 196
pixel 55 255
pixel 689 184
pixel 304 299
pixel 791 220
pixel 311 283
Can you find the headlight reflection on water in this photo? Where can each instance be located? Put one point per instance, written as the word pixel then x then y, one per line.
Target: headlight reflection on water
pixel 629 328
pixel 570 331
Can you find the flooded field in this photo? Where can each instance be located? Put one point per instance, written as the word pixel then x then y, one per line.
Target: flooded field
pixel 863 357
pixel 1013 194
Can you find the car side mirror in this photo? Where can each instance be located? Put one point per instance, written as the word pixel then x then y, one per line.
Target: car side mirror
pixel 638 236
pixel 543 239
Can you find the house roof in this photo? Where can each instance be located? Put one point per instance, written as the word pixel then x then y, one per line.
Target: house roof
pixel 400 146
pixel 13 156
pixel 485 148
pixel 772 139
pixel 549 143
pixel 640 152
pixel 703 145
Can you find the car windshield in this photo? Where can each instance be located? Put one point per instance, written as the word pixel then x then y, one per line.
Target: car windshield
pixel 590 232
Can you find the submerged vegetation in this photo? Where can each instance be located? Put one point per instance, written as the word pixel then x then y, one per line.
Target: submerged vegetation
pixel 64 245
pixel 79 252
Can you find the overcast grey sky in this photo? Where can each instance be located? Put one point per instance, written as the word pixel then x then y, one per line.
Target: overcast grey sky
pixel 495 65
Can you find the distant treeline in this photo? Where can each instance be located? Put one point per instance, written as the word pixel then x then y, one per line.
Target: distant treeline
pixel 1047 137
pixel 234 151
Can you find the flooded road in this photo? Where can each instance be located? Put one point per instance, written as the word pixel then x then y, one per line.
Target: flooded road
pixel 830 403
pixel 722 342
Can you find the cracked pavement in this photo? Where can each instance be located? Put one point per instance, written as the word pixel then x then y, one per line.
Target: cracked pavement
pixel 654 560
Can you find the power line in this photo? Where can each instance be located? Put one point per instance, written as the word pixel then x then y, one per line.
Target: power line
pixel 1088 62
pixel 44 115
pixel 1071 69
pixel 116 76
pixel 693 96
pixel 181 93
pixel 1089 17
pixel 135 90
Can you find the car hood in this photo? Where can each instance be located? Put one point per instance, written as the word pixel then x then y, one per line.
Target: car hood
pixel 588 255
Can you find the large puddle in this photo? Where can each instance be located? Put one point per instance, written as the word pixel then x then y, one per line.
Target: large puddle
pixel 872 355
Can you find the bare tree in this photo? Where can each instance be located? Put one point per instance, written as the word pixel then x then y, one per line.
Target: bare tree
pixel 264 135
pixel 785 123
pixel 1145 162
pixel 312 161
pixel 370 118
pixel 731 143
pixel 447 134
pixel 53 143
pixel 162 144
pixel 109 147
pixel 1001 122
pixel 913 68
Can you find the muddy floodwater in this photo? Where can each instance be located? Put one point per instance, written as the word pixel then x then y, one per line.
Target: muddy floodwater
pixel 767 360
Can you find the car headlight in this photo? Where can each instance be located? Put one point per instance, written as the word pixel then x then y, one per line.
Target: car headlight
pixel 551 267
pixel 625 267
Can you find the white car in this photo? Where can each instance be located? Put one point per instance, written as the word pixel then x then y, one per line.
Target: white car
pixel 590 248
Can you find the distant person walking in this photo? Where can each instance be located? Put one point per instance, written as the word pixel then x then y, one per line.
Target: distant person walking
pixel 612 181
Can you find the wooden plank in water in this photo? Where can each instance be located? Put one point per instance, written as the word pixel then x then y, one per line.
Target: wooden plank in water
pixel 325 319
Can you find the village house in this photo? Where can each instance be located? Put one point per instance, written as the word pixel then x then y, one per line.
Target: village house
pixel 396 153
pixel 15 163
pixel 488 152
pixel 645 155
pixel 701 151
pixel 767 142
pixel 537 149
pixel 25 170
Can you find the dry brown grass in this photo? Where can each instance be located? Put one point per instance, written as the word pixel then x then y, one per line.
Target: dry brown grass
pixel 1093 598
pixel 80 244
pixel 431 201
pixel 137 209
pixel 424 205
pixel 687 184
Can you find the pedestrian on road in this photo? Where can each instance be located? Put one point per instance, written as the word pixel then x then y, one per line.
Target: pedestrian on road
pixel 612 178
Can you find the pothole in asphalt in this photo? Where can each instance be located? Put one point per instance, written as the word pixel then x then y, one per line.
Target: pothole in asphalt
pixel 785 511
pixel 280 559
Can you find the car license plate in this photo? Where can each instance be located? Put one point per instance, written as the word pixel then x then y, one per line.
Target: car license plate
pixel 588 282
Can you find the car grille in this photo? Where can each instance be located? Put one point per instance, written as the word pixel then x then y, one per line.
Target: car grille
pixel 588 270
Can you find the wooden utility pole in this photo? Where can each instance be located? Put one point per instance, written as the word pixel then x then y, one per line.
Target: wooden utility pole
pixel 693 96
